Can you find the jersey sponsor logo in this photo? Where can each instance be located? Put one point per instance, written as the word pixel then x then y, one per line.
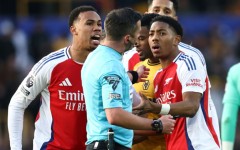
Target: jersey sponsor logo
pixel 114 96
pixel 25 91
pixel 75 106
pixel 167 81
pixel 29 82
pixel 166 97
pixel 146 85
pixel 74 100
pixel 65 82
pixel 194 82
pixel 70 96
pixel 114 80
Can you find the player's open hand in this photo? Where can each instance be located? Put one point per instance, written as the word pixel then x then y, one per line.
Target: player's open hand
pixel 168 124
pixel 144 106
pixel 143 73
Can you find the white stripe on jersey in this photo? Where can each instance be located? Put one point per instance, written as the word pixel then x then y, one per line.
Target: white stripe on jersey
pixel 188 61
pixel 46 59
pixel 185 48
pixel 127 56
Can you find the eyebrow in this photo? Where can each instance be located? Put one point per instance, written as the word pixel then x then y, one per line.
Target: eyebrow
pixel 157 30
pixel 91 20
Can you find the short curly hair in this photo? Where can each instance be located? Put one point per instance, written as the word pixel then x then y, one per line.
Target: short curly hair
pixel 76 11
pixel 171 22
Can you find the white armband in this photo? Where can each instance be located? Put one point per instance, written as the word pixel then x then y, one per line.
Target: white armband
pixel 165 109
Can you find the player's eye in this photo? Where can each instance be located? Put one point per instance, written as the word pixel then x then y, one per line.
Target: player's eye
pixel 89 23
pixel 167 11
pixel 162 33
pixel 151 34
pixel 156 10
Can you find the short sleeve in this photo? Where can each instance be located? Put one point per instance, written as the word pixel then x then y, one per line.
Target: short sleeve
pixel 192 75
pixel 111 81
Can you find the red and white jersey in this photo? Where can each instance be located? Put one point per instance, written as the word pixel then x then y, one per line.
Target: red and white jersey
pixel 61 121
pixel 186 74
pixel 193 52
pixel 130 59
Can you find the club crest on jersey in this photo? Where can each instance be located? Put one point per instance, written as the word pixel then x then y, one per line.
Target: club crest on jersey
pixel 146 85
pixel 114 80
pixel 167 81
pixel 29 82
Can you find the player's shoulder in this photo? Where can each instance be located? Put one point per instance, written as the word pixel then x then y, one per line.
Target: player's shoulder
pixel 130 52
pixel 52 59
pixel 234 69
pixel 182 45
pixel 191 51
pixel 186 60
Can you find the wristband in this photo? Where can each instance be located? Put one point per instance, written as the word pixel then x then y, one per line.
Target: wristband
pixel 165 109
pixel 134 75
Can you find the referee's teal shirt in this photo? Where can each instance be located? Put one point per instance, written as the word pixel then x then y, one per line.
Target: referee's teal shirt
pixel 105 85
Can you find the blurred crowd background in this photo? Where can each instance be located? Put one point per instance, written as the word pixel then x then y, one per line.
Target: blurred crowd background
pixel 30 29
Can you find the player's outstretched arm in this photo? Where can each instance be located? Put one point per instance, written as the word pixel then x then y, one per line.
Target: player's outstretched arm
pixel 228 125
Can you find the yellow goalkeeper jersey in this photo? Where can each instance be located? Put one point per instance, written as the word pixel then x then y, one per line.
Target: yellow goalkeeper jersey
pixel 147 88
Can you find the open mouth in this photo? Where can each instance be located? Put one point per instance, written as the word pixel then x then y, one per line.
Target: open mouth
pixel 139 51
pixel 96 39
pixel 155 47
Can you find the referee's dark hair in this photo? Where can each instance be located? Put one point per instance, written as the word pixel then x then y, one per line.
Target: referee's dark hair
pixel 171 22
pixel 120 22
pixel 76 11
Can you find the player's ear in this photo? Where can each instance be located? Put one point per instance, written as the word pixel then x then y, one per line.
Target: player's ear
pixel 126 39
pixel 177 40
pixel 73 30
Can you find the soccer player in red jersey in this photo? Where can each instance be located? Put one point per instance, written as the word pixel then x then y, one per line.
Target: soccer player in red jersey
pixel 61 121
pixel 182 90
pixel 165 8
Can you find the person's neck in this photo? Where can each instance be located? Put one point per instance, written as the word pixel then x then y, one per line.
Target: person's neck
pixel 168 60
pixel 116 45
pixel 78 54
pixel 153 60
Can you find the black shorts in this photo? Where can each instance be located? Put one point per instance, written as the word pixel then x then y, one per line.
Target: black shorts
pixel 103 145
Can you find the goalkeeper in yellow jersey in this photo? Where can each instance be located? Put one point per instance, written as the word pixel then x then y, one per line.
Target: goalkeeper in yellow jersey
pixel 147 140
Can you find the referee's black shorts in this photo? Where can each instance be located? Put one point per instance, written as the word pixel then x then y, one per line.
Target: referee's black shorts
pixel 103 145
